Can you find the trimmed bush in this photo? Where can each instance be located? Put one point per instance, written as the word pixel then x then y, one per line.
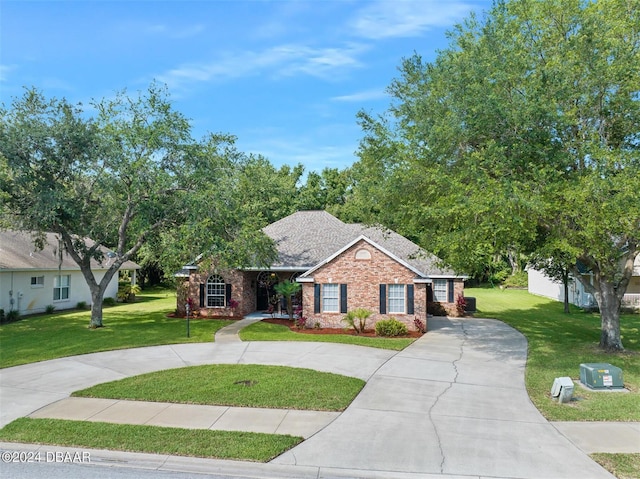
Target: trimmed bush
pixel 390 328
pixel 50 309
pixel 108 301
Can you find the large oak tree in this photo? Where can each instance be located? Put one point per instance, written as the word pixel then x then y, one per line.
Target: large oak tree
pixel 523 133
pixel 131 176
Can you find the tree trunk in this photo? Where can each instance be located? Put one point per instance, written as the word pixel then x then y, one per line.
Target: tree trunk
pixel 565 282
pixel 97 295
pixel 609 305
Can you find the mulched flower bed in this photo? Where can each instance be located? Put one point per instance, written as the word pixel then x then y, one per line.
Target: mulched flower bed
pixel 368 333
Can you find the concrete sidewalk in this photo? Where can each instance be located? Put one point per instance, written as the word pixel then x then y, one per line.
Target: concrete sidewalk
pixel 189 416
pixel 453 403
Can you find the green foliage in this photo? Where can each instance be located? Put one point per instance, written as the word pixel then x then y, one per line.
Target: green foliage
pixel 287 289
pixel 357 319
pixel 49 309
pixel 518 280
pixel 479 159
pixel 11 316
pixel 81 305
pixel 108 301
pixel 390 328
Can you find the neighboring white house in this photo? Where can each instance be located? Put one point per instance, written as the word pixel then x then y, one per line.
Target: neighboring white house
pixel 541 285
pixel 31 279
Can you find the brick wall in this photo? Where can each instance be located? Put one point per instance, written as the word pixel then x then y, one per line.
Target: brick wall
pixel 363 268
pixel 243 290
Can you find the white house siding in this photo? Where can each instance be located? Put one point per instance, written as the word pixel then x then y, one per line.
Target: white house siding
pixel 541 285
pixel 31 299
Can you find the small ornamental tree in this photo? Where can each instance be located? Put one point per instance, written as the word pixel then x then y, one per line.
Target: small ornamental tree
pixel 357 319
pixel 287 289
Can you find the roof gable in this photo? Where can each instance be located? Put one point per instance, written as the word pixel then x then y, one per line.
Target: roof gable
pixel 18 252
pixel 306 239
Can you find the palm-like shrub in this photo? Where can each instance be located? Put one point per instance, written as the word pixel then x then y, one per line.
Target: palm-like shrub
pixel 287 289
pixel 357 319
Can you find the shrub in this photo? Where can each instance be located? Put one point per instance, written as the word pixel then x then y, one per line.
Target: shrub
pixel 519 280
pixel 420 325
pixel 436 309
pixel 1 315
pixel 81 305
pixel 301 322
pixel 12 315
pixel 50 309
pixel 461 305
pixel 357 319
pixel 390 328
pixel 108 301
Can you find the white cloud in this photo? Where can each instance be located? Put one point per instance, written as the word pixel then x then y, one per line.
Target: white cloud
pixel 365 95
pixel 4 72
pixel 406 18
pixel 283 60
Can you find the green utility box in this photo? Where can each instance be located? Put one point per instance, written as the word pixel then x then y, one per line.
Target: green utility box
pixel 601 376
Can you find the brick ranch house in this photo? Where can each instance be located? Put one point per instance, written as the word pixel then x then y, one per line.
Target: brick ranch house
pixel 340 267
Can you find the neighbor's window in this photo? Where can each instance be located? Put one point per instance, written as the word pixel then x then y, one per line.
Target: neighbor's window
pixel 330 298
pixel 37 281
pixel 61 285
pixel 215 291
pixel 396 298
pixel 440 290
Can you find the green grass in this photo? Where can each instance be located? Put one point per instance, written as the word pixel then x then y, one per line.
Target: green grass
pixel 236 385
pixel 151 439
pixel 126 325
pixel 623 466
pixel 558 343
pixel 262 331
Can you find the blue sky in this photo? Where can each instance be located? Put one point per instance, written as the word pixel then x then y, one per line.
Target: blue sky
pixel 286 77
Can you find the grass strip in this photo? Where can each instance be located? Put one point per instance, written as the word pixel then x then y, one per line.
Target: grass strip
pixel 245 385
pixel 276 332
pixel 557 344
pixel 623 466
pixel 245 446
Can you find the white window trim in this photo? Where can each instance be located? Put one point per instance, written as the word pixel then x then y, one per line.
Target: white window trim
pixel 397 298
pixel 56 286
pixel 216 294
pixel 440 291
pixel 39 282
pixel 325 298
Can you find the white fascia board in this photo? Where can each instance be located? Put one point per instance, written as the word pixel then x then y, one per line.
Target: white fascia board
pixel 307 279
pixel 422 280
pixel 372 243
pixel 448 276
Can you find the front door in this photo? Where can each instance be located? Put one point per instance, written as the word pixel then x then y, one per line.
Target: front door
pixel 266 281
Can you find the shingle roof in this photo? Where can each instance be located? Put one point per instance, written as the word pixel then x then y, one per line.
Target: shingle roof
pixel 17 252
pixel 306 238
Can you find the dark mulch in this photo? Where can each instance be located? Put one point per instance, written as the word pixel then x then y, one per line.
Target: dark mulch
pixel 368 333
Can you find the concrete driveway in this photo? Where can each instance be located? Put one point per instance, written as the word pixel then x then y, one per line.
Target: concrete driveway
pixel 452 404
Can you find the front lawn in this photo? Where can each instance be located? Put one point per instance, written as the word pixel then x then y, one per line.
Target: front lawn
pixel 558 344
pixel 246 385
pixel 126 325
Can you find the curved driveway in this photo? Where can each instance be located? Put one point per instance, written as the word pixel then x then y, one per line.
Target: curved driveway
pixel 453 403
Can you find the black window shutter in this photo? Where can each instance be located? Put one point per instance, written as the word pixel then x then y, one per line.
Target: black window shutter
pixel 202 295
pixel 343 298
pixel 316 298
pixel 227 292
pixel 410 308
pixel 450 290
pixel 383 299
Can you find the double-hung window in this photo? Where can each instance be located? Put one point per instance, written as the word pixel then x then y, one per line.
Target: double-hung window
pixel 61 287
pixel 216 291
pixel 396 298
pixel 330 298
pixel 440 290
pixel 37 281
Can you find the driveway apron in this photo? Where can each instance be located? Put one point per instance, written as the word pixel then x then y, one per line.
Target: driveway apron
pixel 453 403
